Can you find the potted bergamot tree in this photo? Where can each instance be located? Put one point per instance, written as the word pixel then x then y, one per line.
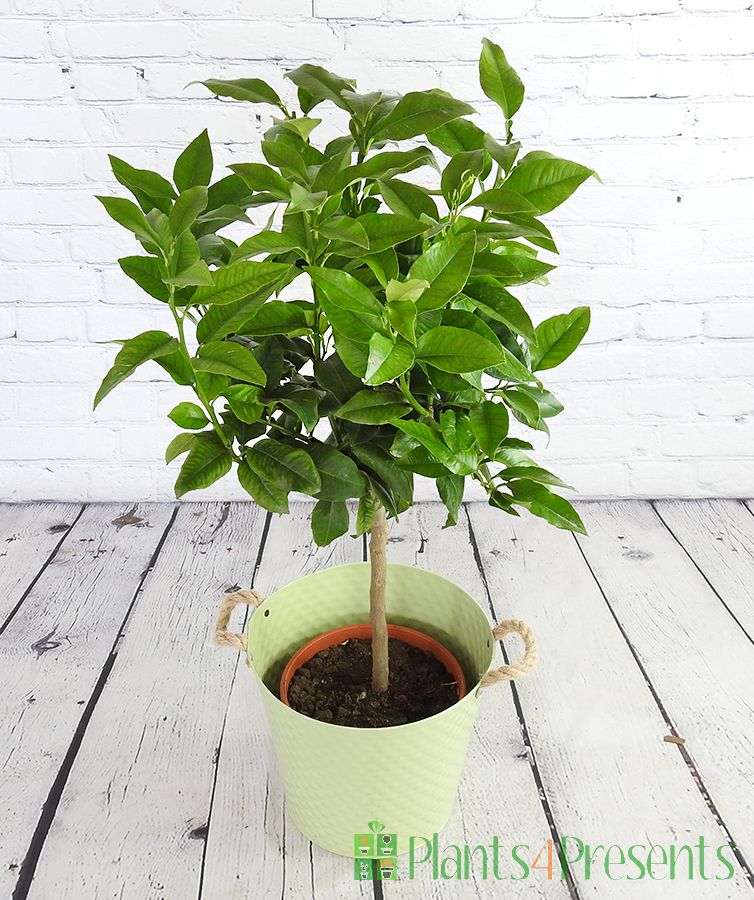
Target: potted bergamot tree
pixel 400 350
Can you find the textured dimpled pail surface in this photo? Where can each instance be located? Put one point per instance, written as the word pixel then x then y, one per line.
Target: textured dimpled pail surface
pixel 337 779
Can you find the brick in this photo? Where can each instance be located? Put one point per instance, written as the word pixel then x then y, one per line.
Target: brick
pixel 26 81
pixel 50 324
pixel 53 481
pixel 423 10
pixel 726 477
pixel 60 442
pixel 723 35
pixel 727 438
pixel 663 478
pixel 49 284
pixel 32 165
pixel 120 482
pixel 345 9
pixel 26 245
pixel 261 40
pixel 21 39
pixel 106 82
pixel 729 320
pixel 717 400
pixel 665 321
pixel 126 40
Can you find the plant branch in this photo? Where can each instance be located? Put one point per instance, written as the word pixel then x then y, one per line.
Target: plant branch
pixel 377 586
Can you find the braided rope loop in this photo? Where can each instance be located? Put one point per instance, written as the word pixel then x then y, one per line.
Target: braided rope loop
pixel 226 638
pixel 529 659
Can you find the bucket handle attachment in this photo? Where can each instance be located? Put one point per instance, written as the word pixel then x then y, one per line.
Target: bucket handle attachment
pixel 226 638
pixel 529 659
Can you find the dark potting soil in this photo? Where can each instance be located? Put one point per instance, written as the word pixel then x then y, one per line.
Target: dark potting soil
pixel 335 686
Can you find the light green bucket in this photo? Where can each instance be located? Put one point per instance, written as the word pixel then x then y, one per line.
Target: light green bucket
pixel 337 778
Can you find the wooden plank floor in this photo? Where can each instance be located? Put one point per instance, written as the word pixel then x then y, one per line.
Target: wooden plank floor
pixel 136 763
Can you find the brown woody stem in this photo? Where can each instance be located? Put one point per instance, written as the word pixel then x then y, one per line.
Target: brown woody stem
pixel 378 563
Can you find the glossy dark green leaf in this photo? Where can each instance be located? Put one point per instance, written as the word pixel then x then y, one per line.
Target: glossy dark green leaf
pixel 252 90
pixel 499 80
pixel 180 444
pixel 383 165
pixel 556 338
pixel 394 486
pixel 329 521
pixel 454 350
pixel 524 407
pixel 546 181
pixel 489 422
pixel 339 474
pixel 128 214
pixel 133 353
pixel 188 415
pixel 243 400
pixel 186 208
pixel 344 229
pixel 194 165
pixel 240 280
pixel 406 199
pixel 263 178
pixel 272 242
pixel 533 473
pixel 319 85
pixel 503 200
pixel 460 175
pixel 419 112
pixel 365 514
pixel 208 460
pixel 147 272
pixel 226 358
pixel 374 407
pixel 289 466
pixel 458 136
pixel 450 489
pixel 388 358
pixel 489 296
pixel 385 230
pixel 143 183
pixel 351 307
pixel 266 492
pixel 278 317
pixel 543 503
pixel 446 266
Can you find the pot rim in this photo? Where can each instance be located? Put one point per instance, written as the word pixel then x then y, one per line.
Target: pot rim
pixel 411 636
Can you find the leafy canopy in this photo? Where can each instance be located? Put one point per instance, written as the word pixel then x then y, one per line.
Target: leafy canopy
pixel 403 349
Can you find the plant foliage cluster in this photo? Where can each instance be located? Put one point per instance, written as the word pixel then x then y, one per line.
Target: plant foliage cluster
pixel 408 352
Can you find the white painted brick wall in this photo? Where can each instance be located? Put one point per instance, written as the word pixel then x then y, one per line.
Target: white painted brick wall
pixel 658 95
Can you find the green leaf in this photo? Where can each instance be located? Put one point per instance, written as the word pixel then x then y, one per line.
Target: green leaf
pixel 277 317
pixel 196 274
pixel 319 85
pixel 290 467
pixel 460 175
pixel 238 281
pixel 548 403
pixel 499 80
pixel 489 424
pixel 266 493
pixel 419 112
pixel 142 182
pixel 533 473
pixel 147 272
pixel 383 165
pixel 225 358
pixel 253 90
pixel 243 400
pixel 333 376
pixel 194 165
pixel 329 521
pixel 551 507
pixel 556 338
pixel 428 437
pixel 458 136
pixel 302 402
pixel 406 199
pixel 340 475
pixel 402 316
pixel 394 486
pixel 385 230
pixel 489 296
pixel 446 266
pixel 503 154
pixel 208 460
pixel 134 352
pixel 186 208
pixel 525 406
pixel 303 200
pixel 128 214
pixel 265 242
pixel 188 415
pixel 263 178
pixel 374 407
pixel 503 200
pixel 365 514
pixel 351 308
pixel 546 181
pixel 344 229
pixel 388 358
pixel 180 444
pixel 455 350
pixel 450 489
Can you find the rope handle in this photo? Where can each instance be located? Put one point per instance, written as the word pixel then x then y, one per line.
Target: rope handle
pixel 527 662
pixel 226 638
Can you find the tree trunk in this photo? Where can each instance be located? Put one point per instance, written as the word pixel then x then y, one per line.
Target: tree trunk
pixel 378 562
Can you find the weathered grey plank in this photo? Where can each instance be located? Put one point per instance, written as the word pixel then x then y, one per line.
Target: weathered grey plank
pixel 52 654
pixel 29 534
pixel 697 657
pixel 248 821
pixel 498 794
pixel 719 537
pixel 133 815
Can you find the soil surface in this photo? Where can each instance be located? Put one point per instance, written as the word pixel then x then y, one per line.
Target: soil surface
pixel 335 686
